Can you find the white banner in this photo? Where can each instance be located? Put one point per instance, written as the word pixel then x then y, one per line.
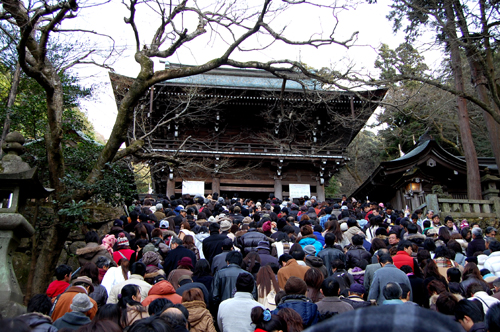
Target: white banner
pixel 299 190
pixel 193 188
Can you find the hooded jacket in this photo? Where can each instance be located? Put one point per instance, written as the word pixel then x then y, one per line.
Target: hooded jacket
pixel 63 304
pixel 38 322
pixel 91 253
pixel 200 318
pixel 303 306
pixel 162 289
pixel 71 320
pixel 307 240
pixel 355 254
pixel 313 261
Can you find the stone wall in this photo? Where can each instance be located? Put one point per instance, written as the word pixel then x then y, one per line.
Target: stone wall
pixel 100 219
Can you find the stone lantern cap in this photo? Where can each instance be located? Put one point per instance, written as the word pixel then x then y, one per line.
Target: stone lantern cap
pixel 15 173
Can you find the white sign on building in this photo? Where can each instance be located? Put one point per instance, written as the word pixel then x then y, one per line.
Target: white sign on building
pixel 299 190
pixel 193 188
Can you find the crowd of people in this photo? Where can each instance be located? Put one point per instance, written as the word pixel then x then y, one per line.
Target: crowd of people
pixel 232 264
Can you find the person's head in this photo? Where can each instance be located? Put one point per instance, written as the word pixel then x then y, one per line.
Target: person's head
pixel 436 287
pixel 405 246
pixel 283 259
pixel 357 240
pixel 385 259
pixel 234 257
pixel 150 324
pixel 329 240
pixel 356 289
pixel 90 270
pixel 412 229
pixel 293 320
pixel 442 251
pixel 214 228
pixel 63 272
pixel 494 246
pixel 202 268
pixel 297 252
pixel 100 325
pixel 92 236
pixel 81 303
pixel 138 268
pixel 314 278
pixel 130 294
pixel 453 274
pixel 103 262
pixel 337 265
pixel 245 283
pixel 377 244
pixel 467 313
pixel 330 287
pixel 158 305
pixel 193 294
pixel 110 312
pixel 295 285
pixel 470 269
pixel 492 318
pixel 265 320
pixel 393 238
pixel 429 245
pixel 392 291
pixel 40 303
pixel 406 292
pixel 446 303
pixel 476 232
pixel 251 262
pixel 490 231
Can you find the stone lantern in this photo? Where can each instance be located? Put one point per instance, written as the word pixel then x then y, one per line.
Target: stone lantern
pixel 18 182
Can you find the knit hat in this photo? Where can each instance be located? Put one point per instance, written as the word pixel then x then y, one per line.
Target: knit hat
pixel 344 227
pixel 225 225
pixel 313 198
pixel 108 242
pixel 164 224
pixel 310 249
pixel 185 261
pixel 122 240
pixel 150 258
pixel 357 288
pixel 81 303
pixel 148 248
pixel 464 224
pixel 295 285
pixel 263 245
pixel 344 207
pixel 266 227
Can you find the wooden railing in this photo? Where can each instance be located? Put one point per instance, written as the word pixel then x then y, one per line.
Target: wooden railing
pixel 464 208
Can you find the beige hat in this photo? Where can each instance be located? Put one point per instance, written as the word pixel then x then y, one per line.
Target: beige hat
pixel 225 225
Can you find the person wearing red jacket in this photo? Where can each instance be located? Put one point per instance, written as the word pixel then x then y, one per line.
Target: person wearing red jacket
pixel 403 256
pixel 58 286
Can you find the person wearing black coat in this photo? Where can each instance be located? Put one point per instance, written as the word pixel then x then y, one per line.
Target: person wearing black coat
pixel 265 254
pixel 176 254
pixel 250 240
pixel 330 253
pixel 225 279
pixel 212 245
pixel 357 252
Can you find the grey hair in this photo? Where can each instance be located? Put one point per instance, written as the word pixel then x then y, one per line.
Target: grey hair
pixel 477 231
pixel 176 240
pixel 103 261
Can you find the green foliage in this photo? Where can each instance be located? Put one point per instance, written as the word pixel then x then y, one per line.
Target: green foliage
pixel 404 60
pixel 75 213
pixel 333 188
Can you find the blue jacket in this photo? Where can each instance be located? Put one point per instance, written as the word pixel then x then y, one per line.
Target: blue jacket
pixel 320 238
pixel 311 241
pixel 303 306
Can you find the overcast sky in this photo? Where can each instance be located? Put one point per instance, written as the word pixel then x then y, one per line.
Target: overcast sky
pixel 369 20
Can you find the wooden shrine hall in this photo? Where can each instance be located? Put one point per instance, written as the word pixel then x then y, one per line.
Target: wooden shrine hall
pixel 248 132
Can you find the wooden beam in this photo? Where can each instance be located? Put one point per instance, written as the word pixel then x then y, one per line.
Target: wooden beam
pixel 247 181
pixel 248 189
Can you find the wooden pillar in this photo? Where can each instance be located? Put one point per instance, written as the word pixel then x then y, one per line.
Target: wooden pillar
pixel 170 187
pixel 320 191
pixel 278 188
pixel 216 185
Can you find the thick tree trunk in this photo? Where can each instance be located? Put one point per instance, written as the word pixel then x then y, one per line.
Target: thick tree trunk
pixel 473 177
pixel 10 103
pixel 50 251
